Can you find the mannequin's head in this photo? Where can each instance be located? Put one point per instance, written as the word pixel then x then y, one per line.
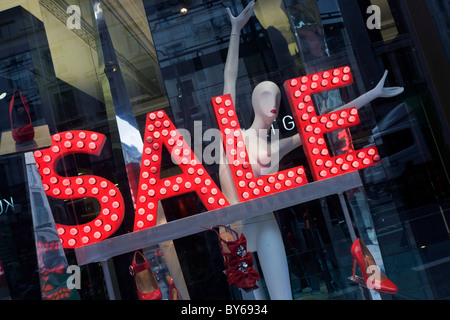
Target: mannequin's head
pixel 266 101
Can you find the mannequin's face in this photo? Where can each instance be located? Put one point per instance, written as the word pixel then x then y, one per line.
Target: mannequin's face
pixel 266 101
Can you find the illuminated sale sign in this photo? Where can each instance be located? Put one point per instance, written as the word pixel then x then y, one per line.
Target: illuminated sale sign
pixel 160 132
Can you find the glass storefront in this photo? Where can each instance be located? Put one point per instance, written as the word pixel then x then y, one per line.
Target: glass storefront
pixel 88 86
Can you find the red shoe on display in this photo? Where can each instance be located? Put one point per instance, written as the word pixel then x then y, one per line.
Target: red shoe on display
pixel 22 129
pixel 373 278
pixel 239 263
pixel 146 284
pixel 173 291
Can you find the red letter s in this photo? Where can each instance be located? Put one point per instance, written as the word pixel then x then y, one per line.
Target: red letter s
pixel 87 186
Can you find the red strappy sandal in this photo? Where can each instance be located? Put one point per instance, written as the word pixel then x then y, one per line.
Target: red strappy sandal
pixel 239 263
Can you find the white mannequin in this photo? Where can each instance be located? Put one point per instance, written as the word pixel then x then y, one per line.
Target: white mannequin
pixel 262 232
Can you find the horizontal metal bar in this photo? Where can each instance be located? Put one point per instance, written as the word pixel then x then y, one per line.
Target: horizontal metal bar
pixel 132 241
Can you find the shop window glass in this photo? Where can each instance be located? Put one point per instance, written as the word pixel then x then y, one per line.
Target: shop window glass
pixel 396 142
pixel 388 26
pixel 130 58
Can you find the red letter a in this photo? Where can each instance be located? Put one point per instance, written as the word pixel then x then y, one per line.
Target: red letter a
pixel 161 131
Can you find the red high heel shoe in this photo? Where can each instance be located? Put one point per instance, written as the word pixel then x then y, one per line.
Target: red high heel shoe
pixel 146 285
pixel 173 291
pixel 22 129
pixel 373 278
pixel 239 263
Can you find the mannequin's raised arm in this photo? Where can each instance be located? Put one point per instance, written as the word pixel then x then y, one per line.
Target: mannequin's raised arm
pixel 378 92
pixel 232 62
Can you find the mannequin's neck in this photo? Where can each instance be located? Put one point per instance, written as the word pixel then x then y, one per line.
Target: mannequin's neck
pixel 260 126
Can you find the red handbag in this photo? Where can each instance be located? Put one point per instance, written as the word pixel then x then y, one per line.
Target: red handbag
pixel 25 130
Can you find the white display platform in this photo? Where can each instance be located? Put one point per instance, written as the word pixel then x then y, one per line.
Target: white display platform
pixel 111 247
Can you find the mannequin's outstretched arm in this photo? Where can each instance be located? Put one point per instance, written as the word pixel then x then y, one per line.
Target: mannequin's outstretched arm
pixel 232 62
pixel 378 92
pixel 286 145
